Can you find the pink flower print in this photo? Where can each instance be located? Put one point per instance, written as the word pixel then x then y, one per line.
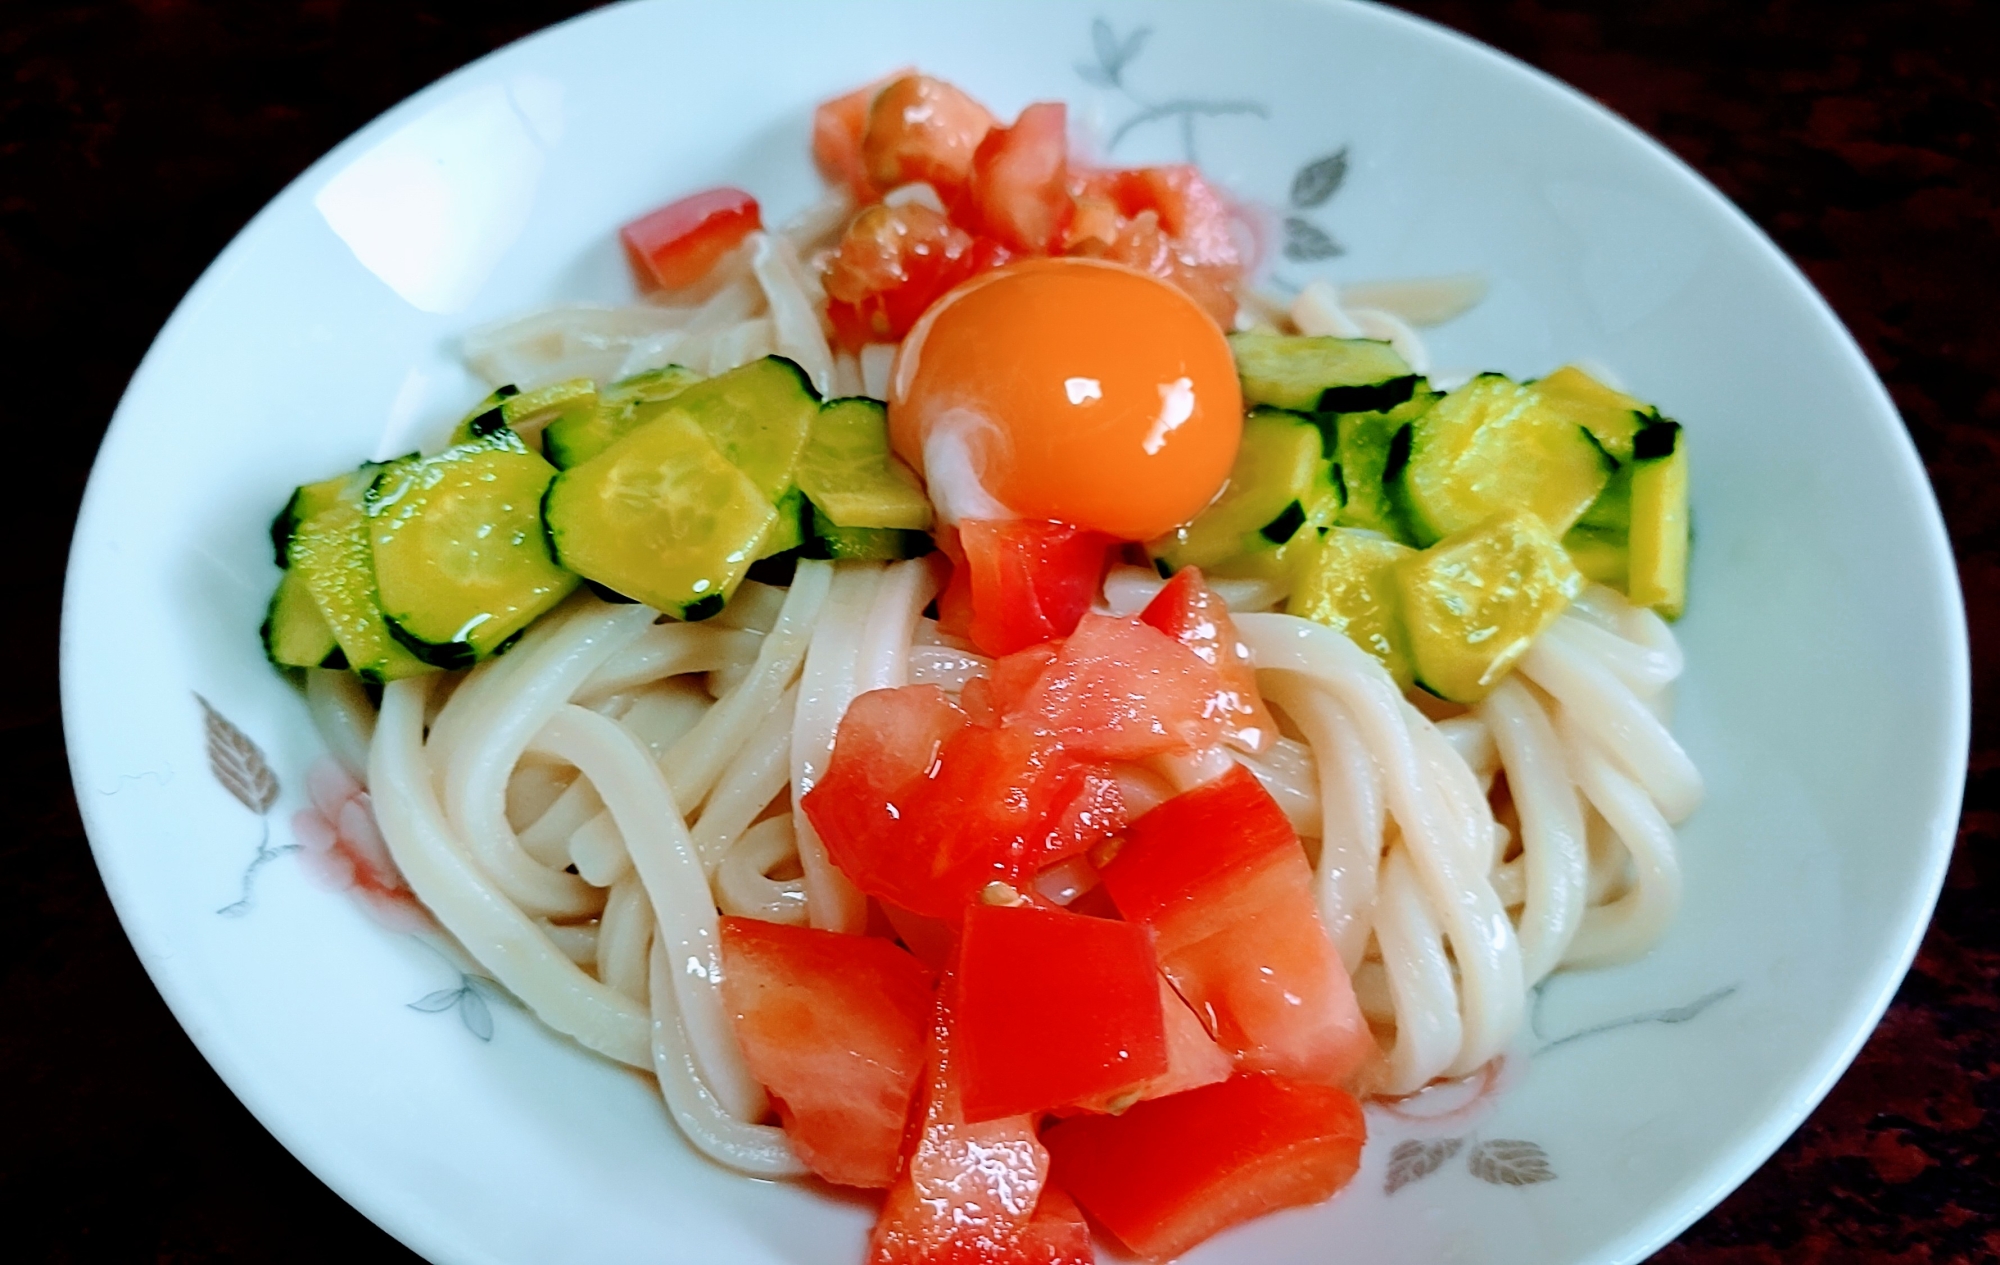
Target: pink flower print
pixel 342 847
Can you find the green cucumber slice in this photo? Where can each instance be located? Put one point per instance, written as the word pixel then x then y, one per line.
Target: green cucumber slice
pixel 295 634
pixel 1363 443
pixel 851 477
pixel 1659 532
pixel 1491 446
pixel 332 553
pixel 576 436
pixel 829 539
pixel 1333 375
pixel 660 516
pixel 1475 601
pixel 462 563
pixel 1281 484
pixel 1347 581
pixel 758 416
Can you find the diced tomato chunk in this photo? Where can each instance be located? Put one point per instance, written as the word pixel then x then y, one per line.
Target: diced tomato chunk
pixel 1017 582
pixel 923 129
pixel 1193 1057
pixel 1056 1235
pixel 675 246
pixel 837 129
pixel 1119 689
pixel 1189 611
pixel 1167 221
pixel 1054 1008
pixel 1004 686
pixel 933 940
pixel 834 1026
pixel 1171 1172
pixel 1020 176
pixel 969 1192
pixel 892 263
pixel 1219 876
pixel 921 809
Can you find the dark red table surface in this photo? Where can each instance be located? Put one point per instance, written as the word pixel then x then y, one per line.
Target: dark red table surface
pixel 136 138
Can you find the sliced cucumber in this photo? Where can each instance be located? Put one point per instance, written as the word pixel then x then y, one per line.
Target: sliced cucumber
pixel 487 416
pixel 306 501
pixel 1602 556
pixel 758 416
pixel 533 412
pixel 661 516
pixel 793 527
pixel 462 563
pixel 1347 581
pixel 575 437
pixel 1492 446
pixel 1659 532
pixel 1611 417
pixel 1334 375
pixel 829 539
pixel 331 551
pixel 1281 484
pixel 851 476
pixel 295 634
pixel 1473 602
pixel 1363 444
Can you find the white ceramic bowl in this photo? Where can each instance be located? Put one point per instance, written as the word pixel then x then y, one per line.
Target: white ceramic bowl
pixel 1826 694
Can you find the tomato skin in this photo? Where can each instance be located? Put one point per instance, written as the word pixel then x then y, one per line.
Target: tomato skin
pixel 834 1026
pixel 1167 221
pixel 968 1194
pixel 1171 1172
pixel 838 126
pixel 892 263
pixel 1054 1008
pixel 923 129
pixel 1057 1234
pixel 1020 176
pixel 1119 689
pixel 674 247
pixel 922 809
pixel 1189 611
pixel 1219 876
pixel 1024 581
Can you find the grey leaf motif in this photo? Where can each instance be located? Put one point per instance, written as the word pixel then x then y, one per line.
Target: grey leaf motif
pixel 488 989
pixel 1306 241
pixel 442 999
pixel 1096 76
pixel 1133 43
pixel 473 1013
pixel 236 761
pixel 1104 42
pixel 1510 1162
pixel 1319 180
pixel 1413 1160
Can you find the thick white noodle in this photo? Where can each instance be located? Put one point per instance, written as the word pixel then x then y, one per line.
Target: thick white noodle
pixel 694 763
pixel 597 850
pixel 342 715
pixel 847 379
pixel 683 910
pixel 492 928
pixel 670 649
pixel 1602 705
pixel 548 838
pixel 1286 770
pixel 795 323
pixel 756 777
pixel 1555 864
pixel 664 711
pixel 829 683
pixel 476 771
pixel 878 361
pixel 1628 926
pixel 576 341
pixel 1127 589
pixel 623 936
pixel 1422 301
pixel 743 885
pixel 1448 839
pixel 1429 1029
pixel 1352 813
pixel 755 607
pixel 577 941
pixel 945 667
pixel 759 1150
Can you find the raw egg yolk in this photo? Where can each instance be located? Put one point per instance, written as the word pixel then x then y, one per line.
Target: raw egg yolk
pixel 1068 389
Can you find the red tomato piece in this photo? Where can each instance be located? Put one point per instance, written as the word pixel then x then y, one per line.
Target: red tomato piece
pixel 1001 690
pixel 1119 689
pixel 1171 1172
pixel 837 129
pixel 923 129
pixel 1167 221
pixel 675 246
pixel 1057 1234
pixel 933 940
pixel 1024 581
pixel 1219 876
pixel 1054 1008
pixel 1020 177
pixel 1193 1057
pixel 920 809
pixel 834 1026
pixel 892 263
pixel 969 1192
pixel 1189 611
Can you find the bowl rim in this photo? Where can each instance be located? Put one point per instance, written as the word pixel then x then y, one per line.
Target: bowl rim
pixel 1669 1217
